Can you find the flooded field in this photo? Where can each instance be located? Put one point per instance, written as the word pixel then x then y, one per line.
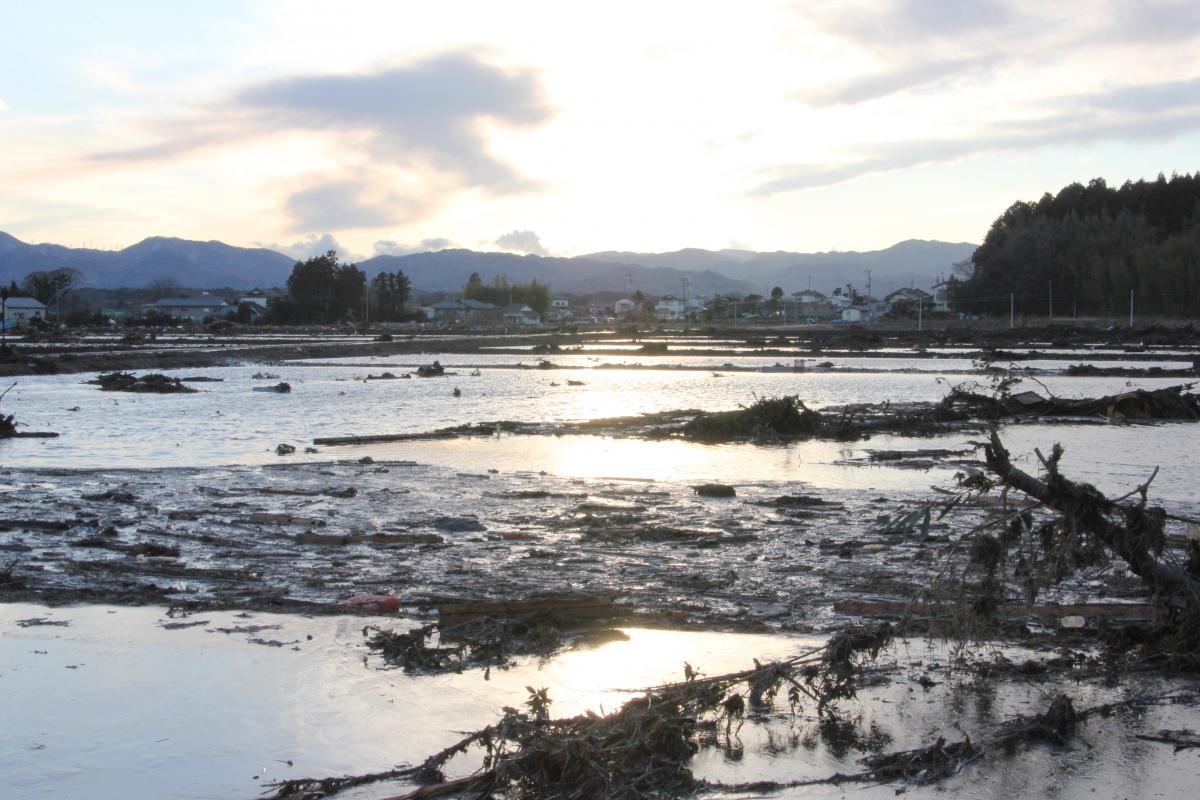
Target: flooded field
pixel 223 704
pixel 217 506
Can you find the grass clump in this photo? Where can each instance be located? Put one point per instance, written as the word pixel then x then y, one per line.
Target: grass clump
pixel 764 420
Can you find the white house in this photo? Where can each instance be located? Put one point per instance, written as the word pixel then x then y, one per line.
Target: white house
pixel 22 309
pixel 941 296
pixel 520 314
pixel 560 309
pixel 808 296
pixel 624 307
pixel 855 314
pixel 908 297
pixel 669 308
pixel 459 309
pixel 196 309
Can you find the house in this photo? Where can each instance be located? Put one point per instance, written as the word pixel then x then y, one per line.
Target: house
pixel 453 310
pixel 670 308
pixel 843 297
pixel 196 309
pixel 902 300
pixel 520 314
pixel 809 296
pixel 560 309
pixel 19 310
pixel 941 296
pixel 855 314
pixel 258 300
pixel 624 307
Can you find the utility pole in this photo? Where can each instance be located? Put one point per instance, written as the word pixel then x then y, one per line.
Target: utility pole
pixel 1051 299
pixel 1012 306
pixel 3 319
pixel 868 283
pixel 1131 308
pixel 919 307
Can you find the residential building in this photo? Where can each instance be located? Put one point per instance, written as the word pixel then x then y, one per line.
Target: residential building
pixel 20 310
pixel 624 307
pixel 941 296
pixel 455 310
pixel 670 308
pixel 903 301
pixel 520 314
pixel 560 310
pixel 809 296
pixel 196 309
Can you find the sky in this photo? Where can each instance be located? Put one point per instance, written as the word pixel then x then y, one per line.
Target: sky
pixel 566 128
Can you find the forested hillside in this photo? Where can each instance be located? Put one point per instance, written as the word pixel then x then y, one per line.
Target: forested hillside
pixel 1085 249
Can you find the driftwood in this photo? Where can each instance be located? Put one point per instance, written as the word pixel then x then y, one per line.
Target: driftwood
pixel 8 426
pixel 572 606
pixel 1132 531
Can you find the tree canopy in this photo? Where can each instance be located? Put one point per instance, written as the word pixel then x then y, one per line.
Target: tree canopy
pixel 534 294
pixel 321 290
pixel 1086 248
pixel 51 284
pixel 389 292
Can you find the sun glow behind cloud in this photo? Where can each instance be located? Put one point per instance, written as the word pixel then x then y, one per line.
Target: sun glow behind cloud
pixel 610 126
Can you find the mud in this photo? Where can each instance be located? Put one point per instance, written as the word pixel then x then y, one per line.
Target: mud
pixel 305 536
pixel 103 351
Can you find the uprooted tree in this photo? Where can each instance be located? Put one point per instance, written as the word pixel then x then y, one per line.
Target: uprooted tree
pixel 644 748
pixel 1090 528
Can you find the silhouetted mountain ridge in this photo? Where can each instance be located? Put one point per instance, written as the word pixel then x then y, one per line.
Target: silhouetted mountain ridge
pixel 213 264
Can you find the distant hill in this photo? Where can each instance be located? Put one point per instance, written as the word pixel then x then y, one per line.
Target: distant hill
pixel 179 261
pixel 448 270
pixel 914 261
pixel 214 265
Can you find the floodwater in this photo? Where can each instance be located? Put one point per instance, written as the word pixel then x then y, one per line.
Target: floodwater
pixel 113 705
pixel 228 423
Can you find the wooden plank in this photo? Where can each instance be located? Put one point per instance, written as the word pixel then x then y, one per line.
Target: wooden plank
pixel 583 607
pixel 888 608
pixel 334 441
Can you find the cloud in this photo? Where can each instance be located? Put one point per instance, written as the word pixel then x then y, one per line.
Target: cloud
pixel 3 105
pixel 1136 113
pixel 345 204
pixel 1142 21
pixel 388 247
pixel 882 84
pixel 312 245
pixel 523 242
pixel 1149 99
pixel 905 23
pixel 424 124
pixel 429 113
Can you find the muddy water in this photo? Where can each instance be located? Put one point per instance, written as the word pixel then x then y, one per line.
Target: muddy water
pixel 143 711
pixel 116 706
pixel 228 423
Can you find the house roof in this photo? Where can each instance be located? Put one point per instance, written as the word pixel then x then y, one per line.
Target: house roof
pixel 477 305
pixel 907 294
pixel 190 302
pixel 518 308
pixel 25 302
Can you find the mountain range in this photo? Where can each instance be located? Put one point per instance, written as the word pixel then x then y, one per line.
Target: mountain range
pixel 210 265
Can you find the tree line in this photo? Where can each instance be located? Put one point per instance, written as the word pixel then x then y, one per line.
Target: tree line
pixel 324 290
pixel 1086 249
pixel 500 292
